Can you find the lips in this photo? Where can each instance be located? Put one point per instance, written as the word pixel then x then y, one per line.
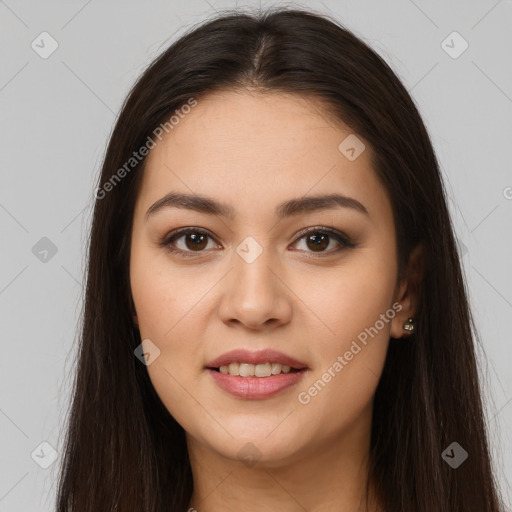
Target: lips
pixel 255 357
pixel 256 388
pixel 260 387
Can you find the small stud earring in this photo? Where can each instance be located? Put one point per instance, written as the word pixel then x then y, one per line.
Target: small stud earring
pixel 409 325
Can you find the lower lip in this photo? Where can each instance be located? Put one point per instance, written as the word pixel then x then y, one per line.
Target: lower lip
pixel 255 388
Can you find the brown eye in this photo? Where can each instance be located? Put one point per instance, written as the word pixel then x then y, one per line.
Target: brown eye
pixel 195 241
pixel 319 240
pixel 187 242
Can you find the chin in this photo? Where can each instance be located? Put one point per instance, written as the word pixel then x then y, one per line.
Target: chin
pixel 255 446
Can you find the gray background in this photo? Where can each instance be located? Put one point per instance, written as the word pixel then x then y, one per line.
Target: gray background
pixel 57 113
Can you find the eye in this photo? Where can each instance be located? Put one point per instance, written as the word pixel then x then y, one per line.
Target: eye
pixel 194 241
pixel 319 238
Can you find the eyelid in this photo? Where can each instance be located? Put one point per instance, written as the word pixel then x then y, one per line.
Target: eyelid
pixel 166 241
pixel 324 229
pixel 343 240
pixel 184 231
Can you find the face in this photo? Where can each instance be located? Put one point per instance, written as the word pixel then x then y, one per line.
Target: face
pixel 317 285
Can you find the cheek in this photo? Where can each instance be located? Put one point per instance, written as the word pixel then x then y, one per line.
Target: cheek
pixel 355 309
pixel 164 295
pixel 168 304
pixel 352 299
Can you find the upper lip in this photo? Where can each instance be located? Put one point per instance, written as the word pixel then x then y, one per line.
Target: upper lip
pixel 256 357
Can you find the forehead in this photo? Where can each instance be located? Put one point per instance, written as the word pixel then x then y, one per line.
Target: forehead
pixel 248 148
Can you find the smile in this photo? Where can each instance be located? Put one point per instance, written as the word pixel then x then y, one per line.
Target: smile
pixel 255 370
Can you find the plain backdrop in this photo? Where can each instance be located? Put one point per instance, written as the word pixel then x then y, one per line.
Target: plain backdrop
pixel 57 113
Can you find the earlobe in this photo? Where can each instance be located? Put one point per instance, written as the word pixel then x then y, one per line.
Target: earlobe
pixel 408 295
pixel 410 325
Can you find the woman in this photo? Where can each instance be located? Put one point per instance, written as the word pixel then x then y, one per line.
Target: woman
pixel 275 315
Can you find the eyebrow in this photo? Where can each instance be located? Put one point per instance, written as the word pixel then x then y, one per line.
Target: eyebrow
pixel 209 206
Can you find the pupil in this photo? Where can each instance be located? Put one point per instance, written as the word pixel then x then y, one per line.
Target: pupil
pixel 197 239
pixel 319 241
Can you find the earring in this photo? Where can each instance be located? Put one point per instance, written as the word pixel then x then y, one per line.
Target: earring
pixel 409 325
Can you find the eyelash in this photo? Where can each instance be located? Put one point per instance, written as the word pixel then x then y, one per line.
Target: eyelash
pixel 337 235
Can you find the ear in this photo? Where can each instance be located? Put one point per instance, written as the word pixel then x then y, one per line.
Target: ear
pixel 407 293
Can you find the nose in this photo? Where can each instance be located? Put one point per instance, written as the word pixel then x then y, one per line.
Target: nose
pixel 255 294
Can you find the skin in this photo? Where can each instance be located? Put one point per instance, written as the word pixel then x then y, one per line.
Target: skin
pixel 253 151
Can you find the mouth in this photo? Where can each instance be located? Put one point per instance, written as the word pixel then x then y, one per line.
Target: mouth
pixel 255 375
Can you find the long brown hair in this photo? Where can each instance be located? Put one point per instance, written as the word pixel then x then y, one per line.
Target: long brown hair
pixel 123 450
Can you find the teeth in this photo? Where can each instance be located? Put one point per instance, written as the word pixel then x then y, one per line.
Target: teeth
pixel 262 370
pixel 251 370
pixel 245 370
